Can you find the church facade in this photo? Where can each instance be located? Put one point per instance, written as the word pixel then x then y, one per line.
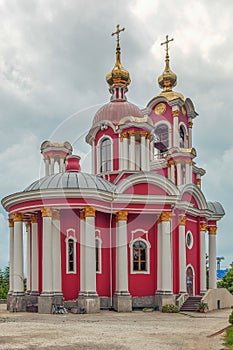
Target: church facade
pixel 132 233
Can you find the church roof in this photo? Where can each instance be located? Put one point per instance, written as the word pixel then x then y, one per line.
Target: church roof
pixel 216 208
pixel 70 180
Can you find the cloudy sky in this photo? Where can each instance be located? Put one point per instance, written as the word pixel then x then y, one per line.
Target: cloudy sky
pixel 54 55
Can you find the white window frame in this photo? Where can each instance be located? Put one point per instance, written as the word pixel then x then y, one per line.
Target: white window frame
pixel 185 135
pixel 148 246
pixel 71 235
pixel 192 240
pixel 99 154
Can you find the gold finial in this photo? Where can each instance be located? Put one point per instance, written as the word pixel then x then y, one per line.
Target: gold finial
pixel 168 79
pixel 118 76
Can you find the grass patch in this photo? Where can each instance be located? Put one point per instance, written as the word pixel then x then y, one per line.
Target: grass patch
pixel 229 338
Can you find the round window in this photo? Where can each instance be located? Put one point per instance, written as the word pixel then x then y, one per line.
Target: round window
pixel 189 240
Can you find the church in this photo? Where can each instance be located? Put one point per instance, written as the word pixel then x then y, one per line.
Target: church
pixel 132 233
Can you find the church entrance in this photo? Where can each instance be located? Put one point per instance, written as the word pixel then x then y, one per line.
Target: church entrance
pixel 189 280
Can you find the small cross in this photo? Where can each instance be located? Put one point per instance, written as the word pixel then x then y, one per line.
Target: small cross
pixel 166 42
pixel 117 33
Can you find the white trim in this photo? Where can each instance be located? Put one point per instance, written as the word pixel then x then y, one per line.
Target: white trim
pixel 148 246
pixel 72 237
pixel 185 135
pixel 194 287
pixel 97 238
pixel 192 240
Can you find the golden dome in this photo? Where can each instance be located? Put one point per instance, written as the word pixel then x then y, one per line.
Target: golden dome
pixel 118 76
pixel 168 79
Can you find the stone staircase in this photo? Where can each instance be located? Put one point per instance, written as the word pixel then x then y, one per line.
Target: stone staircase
pixel 190 304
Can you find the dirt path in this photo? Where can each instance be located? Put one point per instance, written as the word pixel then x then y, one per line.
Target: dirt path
pixel 112 331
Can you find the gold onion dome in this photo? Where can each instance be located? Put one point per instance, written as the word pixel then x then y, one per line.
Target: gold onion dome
pixel 118 76
pixel 168 79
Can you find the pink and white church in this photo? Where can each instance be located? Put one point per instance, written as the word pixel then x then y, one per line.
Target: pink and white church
pixel 131 233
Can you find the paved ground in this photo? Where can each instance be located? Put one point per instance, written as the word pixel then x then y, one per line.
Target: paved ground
pixel 112 331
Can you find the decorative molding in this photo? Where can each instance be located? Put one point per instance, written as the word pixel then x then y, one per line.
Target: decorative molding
pixel 124 135
pixel 89 211
pixel 203 227
pixel 46 212
pixel 198 182
pixel 34 219
pixel 18 217
pixel 176 113
pixel 132 133
pixel 121 215
pixel 190 125
pixel 82 214
pixel 143 133
pixel 212 230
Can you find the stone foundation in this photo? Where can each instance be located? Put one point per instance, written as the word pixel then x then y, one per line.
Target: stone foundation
pixel 143 301
pixel 89 304
pixel 122 303
pixel 164 299
pixel 16 303
pixel 45 303
pixel 105 303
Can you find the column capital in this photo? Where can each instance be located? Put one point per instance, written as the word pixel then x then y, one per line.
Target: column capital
pixel 132 133
pixel 55 214
pixel 34 219
pixel 190 125
pixel 46 212
pixel 28 225
pixel 212 230
pixel 176 113
pixel 165 216
pixel 121 215
pixel 11 222
pixel 182 221
pixel 89 212
pixel 143 133
pixel 124 135
pixel 82 214
pixel 18 217
pixel 170 162
pixel 203 226
pixel 198 182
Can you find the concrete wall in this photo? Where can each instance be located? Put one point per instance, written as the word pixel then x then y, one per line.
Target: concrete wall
pixel 218 298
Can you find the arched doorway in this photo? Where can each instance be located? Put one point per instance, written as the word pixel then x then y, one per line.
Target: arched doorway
pixel 189 280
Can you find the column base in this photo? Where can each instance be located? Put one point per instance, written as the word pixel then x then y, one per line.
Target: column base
pixel 34 293
pixel 16 303
pixel 89 302
pixel 122 302
pixel 202 292
pixel 46 301
pixel 164 299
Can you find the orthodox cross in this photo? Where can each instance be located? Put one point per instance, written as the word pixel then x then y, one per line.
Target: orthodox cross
pixel 117 33
pixel 166 42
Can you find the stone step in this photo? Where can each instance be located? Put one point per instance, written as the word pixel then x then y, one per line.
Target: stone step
pixel 191 303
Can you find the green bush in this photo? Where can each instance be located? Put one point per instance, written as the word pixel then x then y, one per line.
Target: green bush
pixel 4 282
pixel 170 308
pixel 229 338
pixel 231 317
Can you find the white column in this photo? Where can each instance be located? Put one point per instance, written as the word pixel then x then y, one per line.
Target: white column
pixel 28 231
pixel 11 256
pixel 125 154
pixel 120 147
pixel 51 166
pixel 187 172
pixel 82 252
pixel 132 161
pixel 143 150
pixel 176 132
pixel 159 256
pixel 93 157
pixel 151 149
pixel 172 171
pixel 166 253
pixel 182 255
pixel 61 164
pixel 190 125
pixel 178 173
pixel 90 254
pixel 18 255
pixel 148 152
pixel 169 137
pixel 56 249
pixel 212 257
pixel 46 160
pixel 47 256
pixel 121 254
pixel 34 261
pixel 190 172
pixel 202 258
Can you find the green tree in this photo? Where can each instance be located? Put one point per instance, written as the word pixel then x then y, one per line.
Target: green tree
pixel 4 282
pixel 227 280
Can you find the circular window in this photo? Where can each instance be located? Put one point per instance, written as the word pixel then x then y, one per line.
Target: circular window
pixel 189 240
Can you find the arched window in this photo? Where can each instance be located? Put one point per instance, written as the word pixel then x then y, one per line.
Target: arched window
pixel 161 138
pixel 70 255
pixel 182 137
pixel 98 245
pixel 140 256
pixel 105 155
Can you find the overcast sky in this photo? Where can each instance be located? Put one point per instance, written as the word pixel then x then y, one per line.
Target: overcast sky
pixel 54 55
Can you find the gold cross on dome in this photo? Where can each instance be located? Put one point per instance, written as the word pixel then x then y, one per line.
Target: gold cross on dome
pixel 167 42
pixel 117 33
